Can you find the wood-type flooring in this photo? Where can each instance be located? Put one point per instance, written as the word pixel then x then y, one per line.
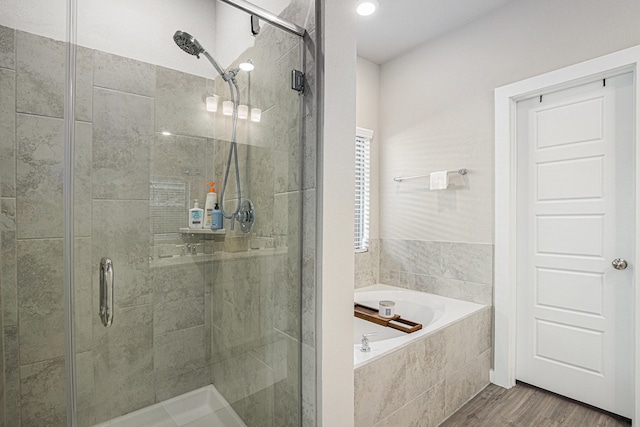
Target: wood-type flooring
pixel 528 406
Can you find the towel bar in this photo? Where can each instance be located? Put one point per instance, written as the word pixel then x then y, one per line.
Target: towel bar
pixel 462 171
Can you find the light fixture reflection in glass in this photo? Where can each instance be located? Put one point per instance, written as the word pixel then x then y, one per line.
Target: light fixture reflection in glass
pixel 256 114
pixel 165 133
pixel 243 111
pixel 212 103
pixel 247 65
pixel 366 7
pixel 227 108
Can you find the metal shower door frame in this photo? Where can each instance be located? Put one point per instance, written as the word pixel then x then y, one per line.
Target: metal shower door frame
pixel 265 15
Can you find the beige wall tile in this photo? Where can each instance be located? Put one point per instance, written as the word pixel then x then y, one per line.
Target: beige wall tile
pixel 39 164
pixel 425 410
pixel 180 105
pixel 86 389
pixel 40 298
pixel 122 137
pixel 82 183
pixel 123 362
pixel 380 388
pixel 180 362
pixel 40 67
pixel 12 406
pixel 367 265
pixel 8 262
pixel 7 131
pixel 467 382
pixel 85 309
pixel 426 363
pixel 42 393
pixel 7 47
pixel 176 315
pixel 123 74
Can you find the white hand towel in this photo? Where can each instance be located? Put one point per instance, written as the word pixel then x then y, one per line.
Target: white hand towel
pixel 438 180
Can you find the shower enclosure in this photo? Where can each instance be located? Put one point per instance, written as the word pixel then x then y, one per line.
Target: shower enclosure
pixel 108 133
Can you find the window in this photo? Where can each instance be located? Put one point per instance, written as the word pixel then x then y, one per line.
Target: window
pixel 361 213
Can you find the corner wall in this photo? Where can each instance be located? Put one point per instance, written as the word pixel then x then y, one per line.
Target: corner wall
pixel 336 157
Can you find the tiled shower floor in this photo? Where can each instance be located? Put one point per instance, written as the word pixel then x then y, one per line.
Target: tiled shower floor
pixel 204 407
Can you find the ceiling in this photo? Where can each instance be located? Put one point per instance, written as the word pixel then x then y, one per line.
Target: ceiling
pixel 399 26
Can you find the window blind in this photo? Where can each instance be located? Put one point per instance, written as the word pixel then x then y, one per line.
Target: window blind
pixel 361 213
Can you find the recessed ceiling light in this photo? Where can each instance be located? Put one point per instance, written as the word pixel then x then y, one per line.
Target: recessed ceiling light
pixel 366 7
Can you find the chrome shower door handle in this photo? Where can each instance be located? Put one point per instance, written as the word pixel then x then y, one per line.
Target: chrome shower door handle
pixel 106 291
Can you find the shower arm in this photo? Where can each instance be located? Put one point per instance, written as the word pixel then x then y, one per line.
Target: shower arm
pixel 265 15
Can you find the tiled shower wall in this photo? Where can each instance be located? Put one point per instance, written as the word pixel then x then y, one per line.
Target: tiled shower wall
pixel 256 331
pixel 177 326
pixel 120 113
pixel 456 270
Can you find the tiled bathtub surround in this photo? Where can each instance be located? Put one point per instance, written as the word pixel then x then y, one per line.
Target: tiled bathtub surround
pixel 177 326
pixel 428 380
pixel 456 270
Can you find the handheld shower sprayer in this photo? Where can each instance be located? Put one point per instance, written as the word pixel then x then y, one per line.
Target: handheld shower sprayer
pixel 190 44
pixel 244 212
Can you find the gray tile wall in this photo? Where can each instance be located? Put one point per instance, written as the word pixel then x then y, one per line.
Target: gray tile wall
pixel 428 380
pixel 176 327
pixel 456 270
pixel 367 265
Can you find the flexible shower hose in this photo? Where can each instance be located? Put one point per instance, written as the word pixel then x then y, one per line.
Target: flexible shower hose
pixel 233 152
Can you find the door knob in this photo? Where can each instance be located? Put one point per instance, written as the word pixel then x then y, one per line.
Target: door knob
pixel 619 264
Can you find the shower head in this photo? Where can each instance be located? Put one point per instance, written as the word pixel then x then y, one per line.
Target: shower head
pixel 189 44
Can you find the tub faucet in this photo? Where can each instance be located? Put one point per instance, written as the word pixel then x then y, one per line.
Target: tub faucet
pixel 365 342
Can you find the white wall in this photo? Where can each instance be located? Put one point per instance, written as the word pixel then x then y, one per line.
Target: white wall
pixel 336 128
pixel 143 29
pixel 437 106
pixel 367 107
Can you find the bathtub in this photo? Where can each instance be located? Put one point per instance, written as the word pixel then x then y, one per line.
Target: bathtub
pixel 432 311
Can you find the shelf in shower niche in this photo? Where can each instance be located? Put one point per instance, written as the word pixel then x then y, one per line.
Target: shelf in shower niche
pixel 187 230
pixel 370 314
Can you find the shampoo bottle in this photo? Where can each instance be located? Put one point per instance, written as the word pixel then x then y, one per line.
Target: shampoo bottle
pixel 216 218
pixel 196 217
pixel 212 200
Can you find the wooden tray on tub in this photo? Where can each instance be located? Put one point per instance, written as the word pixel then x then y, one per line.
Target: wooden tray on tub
pixel 370 314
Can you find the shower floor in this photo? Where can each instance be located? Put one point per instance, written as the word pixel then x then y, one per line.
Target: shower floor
pixel 204 407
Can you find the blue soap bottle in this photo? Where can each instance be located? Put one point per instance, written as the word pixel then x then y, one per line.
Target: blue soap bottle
pixel 216 218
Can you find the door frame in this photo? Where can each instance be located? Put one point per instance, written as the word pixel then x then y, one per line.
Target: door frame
pixel 506 97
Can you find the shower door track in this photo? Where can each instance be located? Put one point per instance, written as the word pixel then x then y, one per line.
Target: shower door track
pixel 265 15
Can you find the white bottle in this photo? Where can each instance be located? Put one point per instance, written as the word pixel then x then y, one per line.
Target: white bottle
pixel 196 216
pixel 209 206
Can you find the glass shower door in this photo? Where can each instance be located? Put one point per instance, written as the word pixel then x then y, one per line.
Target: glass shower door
pixel 200 319
pixel 32 128
pixel 212 318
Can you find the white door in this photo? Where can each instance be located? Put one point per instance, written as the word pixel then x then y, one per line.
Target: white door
pixel 576 198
